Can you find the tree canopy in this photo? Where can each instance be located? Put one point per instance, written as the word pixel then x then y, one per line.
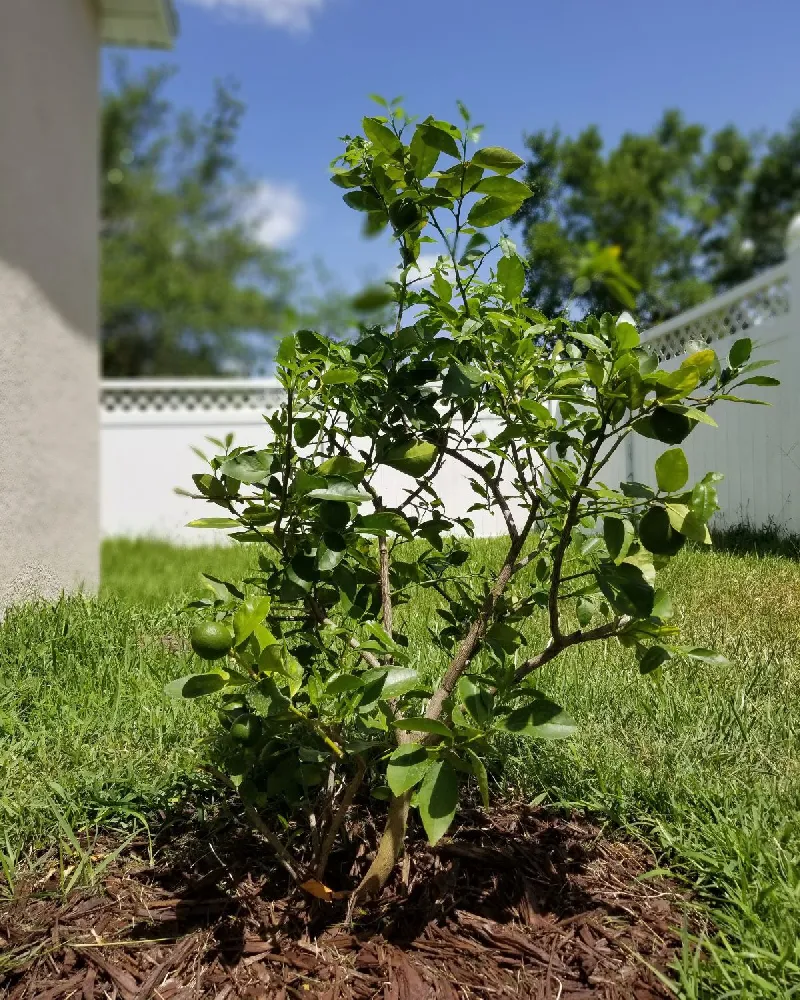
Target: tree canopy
pixel 186 286
pixel 685 213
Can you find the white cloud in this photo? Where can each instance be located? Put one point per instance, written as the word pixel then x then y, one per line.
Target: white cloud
pixel 292 14
pixel 275 212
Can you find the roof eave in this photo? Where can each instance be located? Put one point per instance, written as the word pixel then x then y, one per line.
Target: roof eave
pixel 141 23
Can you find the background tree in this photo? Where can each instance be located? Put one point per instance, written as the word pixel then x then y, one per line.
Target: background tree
pixel 686 214
pixel 186 286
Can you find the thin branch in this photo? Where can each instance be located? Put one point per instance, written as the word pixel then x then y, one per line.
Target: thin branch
pixel 469 643
pixel 352 642
pixel 607 631
pixel 494 488
pixel 340 815
pixel 284 856
pixel 566 535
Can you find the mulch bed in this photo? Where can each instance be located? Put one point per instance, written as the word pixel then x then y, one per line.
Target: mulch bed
pixel 519 903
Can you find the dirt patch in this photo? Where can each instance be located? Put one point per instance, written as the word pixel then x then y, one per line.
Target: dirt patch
pixel 516 904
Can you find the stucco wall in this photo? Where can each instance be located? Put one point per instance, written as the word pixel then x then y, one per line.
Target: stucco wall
pixel 48 298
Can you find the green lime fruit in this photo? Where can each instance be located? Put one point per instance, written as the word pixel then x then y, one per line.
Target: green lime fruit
pixel 246 729
pixel 211 640
pixel 669 427
pixel 657 534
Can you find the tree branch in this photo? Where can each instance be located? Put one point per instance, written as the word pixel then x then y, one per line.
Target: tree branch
pixel 339 816
pixel 468 645
pixel 352 642
pixel 494 488
pixel 566 535
pixel 607 631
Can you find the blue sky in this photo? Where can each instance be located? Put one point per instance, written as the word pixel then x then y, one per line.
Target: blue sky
pixel 305 68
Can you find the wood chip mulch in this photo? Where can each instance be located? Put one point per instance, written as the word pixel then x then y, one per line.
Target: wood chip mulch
pixel 518 903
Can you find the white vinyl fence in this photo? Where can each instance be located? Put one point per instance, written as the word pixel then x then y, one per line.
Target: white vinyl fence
pixel 757 448
pixel 148 427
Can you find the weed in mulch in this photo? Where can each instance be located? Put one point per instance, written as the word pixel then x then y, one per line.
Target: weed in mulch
pixel 518 903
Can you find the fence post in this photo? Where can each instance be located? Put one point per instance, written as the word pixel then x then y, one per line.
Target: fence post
pixel 793 261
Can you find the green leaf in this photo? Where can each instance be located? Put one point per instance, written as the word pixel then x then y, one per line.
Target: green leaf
pixel 249 467
pixel 363 201
pixel 344 684
pixel 382 523
pixel 634 586
pixel 330 551
pixel 424 156
pixel 476 699
pixel 479 770
pixel 195 685
pixel 677 384
pixel 657 534
pixel 251 613
pixel 340 490
pixel 498 159
pixel 383 684
pixel 437 800
pixel 688 523
pixel 287 351
pixel 419 724
pixel 740 352
pixel 266 699
pixel 407 766
pixel 626 336
pixel 707 656
pixel 672 470
pixel 541 719
pixel 510 272
pixel 214 522
pixel 662 605
pixel 381 136
pixel 438 139
pixel 491 210
pixel 344 466
pixel 653 658
pixel 305 430
pixel 412 457
pixel 506 188
pixel 765 380
pixel 339 376
pixel 304 483
pixel 704 361
pixel 590 340
pixel 539 410
pixel 222 588
pixel 704 500
pixel 618 535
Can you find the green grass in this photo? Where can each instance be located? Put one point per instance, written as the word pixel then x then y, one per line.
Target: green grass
pixel 705 764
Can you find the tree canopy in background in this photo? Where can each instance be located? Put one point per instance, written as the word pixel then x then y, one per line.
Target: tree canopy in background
pixel 684 213
pixel 187 288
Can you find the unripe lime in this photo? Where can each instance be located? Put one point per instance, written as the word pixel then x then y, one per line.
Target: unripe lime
pixel 246 729
pixel 211 640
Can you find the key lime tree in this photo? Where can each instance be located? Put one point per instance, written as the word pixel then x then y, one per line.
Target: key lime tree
pixel 322 692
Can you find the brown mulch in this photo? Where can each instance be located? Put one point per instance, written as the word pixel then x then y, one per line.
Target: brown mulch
pixel 518 903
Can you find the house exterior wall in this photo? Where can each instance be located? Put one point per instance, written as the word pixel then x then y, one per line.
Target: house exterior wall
pixel 48 298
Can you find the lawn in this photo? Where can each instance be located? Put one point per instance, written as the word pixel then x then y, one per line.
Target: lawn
pixel 704 765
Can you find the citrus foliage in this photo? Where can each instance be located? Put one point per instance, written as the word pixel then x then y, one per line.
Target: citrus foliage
pixel 321 689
